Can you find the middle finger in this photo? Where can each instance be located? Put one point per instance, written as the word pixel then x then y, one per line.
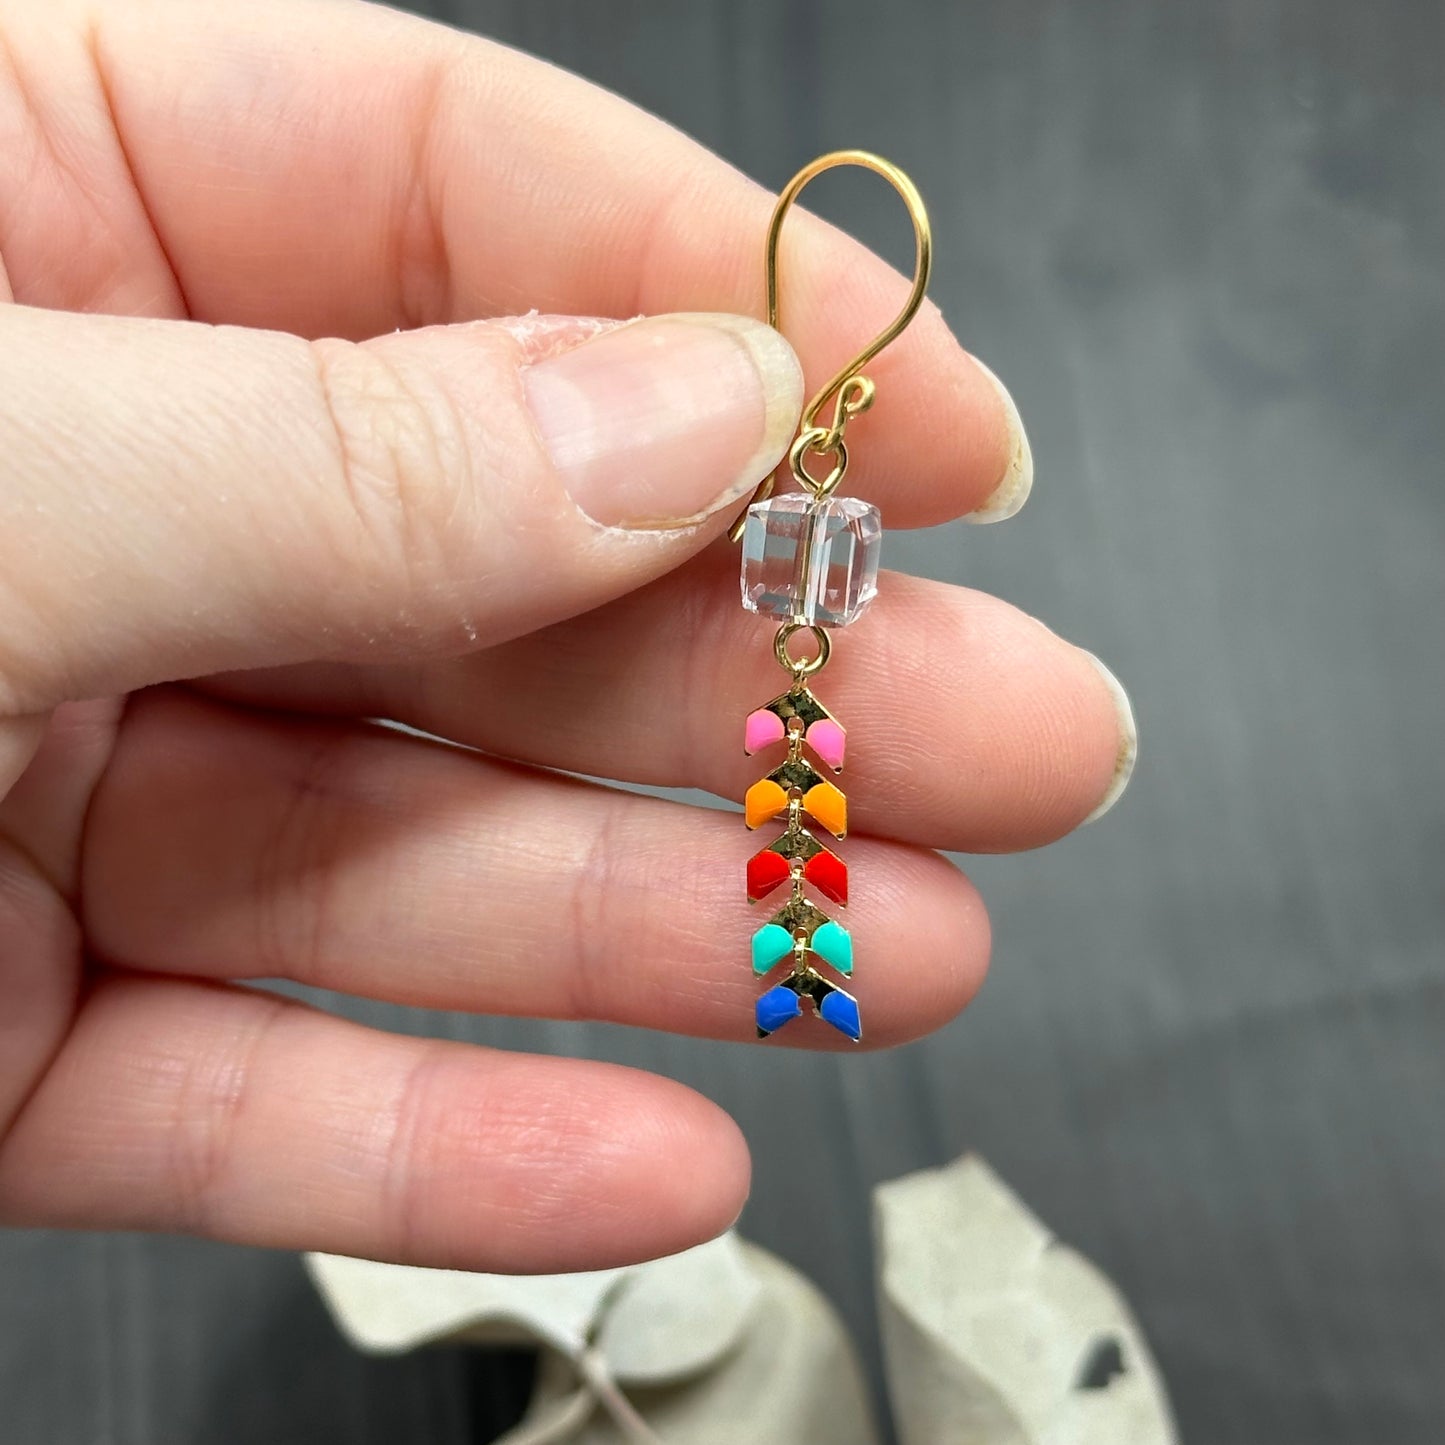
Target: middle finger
pixel 970 725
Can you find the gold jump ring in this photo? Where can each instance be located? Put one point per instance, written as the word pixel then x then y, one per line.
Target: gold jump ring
pixel 802 667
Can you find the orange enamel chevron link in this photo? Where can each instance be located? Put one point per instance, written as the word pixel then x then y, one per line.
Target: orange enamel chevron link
pixel 763 802
pixel 824 800
pixel 828 805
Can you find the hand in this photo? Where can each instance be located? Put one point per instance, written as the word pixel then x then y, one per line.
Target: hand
pixel 246 540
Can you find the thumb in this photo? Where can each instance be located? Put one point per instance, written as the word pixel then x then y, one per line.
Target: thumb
pixel 177 499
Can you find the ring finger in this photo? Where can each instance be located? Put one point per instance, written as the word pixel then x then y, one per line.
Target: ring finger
pixel 232 845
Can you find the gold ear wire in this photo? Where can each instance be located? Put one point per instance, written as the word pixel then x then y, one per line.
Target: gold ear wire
pixel 854 391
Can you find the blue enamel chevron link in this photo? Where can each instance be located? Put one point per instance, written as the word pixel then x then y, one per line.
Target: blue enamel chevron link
pixel 833 944
pixel 841 1010
pixel 771 944
pixel 777 1007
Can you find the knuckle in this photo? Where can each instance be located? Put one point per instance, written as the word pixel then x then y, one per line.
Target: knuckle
pixel 296 886
pixel 212 1097
pixel 591 893
pixel 419 239
pixel 407 1165
pixel 404 475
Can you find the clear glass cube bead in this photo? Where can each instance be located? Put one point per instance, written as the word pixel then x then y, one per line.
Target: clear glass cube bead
pixel 811 560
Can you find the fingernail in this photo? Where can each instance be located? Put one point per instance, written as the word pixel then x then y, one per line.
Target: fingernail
pixel 1017 481
pixel 669 419
pixel 1128 752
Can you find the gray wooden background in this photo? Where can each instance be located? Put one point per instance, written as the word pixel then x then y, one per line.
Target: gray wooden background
pixel 1203 245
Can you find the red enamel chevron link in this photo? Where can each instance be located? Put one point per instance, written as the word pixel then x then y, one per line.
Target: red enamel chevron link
pixel 822 867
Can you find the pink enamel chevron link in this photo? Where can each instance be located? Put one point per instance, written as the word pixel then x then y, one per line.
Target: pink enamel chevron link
pixel 762 729
pixel 826 739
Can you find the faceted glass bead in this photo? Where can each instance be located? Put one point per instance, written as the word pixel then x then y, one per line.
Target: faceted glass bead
pixel 809 560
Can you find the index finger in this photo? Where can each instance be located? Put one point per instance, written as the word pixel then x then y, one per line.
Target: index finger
pixel 339 169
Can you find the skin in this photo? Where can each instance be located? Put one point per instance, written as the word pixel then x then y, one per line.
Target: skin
pixel 218 569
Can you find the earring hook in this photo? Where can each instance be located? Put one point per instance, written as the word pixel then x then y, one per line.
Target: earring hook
pixel 854 391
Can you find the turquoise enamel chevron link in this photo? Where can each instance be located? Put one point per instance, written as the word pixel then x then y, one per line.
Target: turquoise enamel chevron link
pixel 771 945
pixel 833 944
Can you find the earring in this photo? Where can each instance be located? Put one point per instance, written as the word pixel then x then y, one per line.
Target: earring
pixel 811 559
